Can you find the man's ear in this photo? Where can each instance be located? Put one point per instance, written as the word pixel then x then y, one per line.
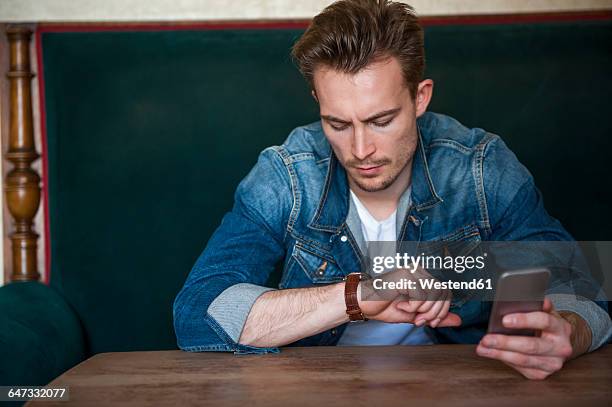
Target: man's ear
pixel 314 95
pixel 423 96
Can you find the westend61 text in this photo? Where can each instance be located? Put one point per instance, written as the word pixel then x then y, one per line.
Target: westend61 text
pixel 433 284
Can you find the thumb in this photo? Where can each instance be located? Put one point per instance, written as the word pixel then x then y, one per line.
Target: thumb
pixel 547 306
pixel 450 320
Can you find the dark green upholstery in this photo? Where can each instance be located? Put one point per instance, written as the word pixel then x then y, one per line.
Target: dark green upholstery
pixel 40 334
pixel 149 133
pixel 544 88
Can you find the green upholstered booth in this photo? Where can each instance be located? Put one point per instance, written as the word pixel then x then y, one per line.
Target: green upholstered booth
pixel 148 131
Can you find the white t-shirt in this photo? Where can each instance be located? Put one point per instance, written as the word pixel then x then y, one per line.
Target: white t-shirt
pixel 376 332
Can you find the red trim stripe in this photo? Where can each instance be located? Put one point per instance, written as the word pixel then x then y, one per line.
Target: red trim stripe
pixel 173 26
pixel 502 19
pixel 605 15
pixel 497 19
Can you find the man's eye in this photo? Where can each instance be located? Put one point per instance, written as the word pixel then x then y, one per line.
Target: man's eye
pixel 338 128
pixel 382 124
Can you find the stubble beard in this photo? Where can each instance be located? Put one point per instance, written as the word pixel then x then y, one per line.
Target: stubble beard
pixel 398 167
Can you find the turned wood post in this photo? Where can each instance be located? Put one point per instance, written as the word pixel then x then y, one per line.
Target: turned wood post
pixel 22 183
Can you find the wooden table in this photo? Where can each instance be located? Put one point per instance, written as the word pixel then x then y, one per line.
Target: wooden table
pixel 332 376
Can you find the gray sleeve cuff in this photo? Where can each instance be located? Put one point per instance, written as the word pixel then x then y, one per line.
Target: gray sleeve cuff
pixel 231 308
pixel 596 318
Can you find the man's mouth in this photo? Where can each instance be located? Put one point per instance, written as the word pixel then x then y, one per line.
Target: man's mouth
pixel 369 170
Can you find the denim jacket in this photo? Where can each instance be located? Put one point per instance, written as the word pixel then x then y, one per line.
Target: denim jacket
pixel 292 208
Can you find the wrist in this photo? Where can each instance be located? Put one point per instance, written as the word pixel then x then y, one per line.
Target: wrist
pixel 581 336
pixel 337 301
pixel 352 297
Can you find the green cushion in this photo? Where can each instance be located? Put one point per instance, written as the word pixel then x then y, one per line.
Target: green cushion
pixel 40 335
pixel 150 132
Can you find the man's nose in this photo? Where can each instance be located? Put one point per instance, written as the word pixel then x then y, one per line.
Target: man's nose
pixel 362 144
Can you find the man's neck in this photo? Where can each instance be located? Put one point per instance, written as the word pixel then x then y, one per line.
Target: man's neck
pixel 381 204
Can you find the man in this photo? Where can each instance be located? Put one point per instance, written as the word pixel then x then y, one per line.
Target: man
pixel 376 167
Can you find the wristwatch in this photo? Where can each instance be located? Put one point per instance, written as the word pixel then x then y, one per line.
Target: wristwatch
pixel 350 297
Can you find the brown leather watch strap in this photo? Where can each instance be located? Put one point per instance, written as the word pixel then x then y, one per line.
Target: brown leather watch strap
pixel 350 297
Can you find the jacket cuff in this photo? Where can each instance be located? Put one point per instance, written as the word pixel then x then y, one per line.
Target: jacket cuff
pixel 596 318
pixel 231 308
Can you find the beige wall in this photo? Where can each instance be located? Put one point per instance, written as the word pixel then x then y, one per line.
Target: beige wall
pixel 164 10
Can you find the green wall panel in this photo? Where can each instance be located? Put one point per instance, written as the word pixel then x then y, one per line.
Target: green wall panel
pixel 149 133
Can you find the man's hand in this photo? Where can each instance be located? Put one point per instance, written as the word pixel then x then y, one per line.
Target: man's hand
pixel 433 313
pixel 534 357
pixel 402 305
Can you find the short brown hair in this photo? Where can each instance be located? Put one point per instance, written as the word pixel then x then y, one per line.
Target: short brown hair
pixel 348 35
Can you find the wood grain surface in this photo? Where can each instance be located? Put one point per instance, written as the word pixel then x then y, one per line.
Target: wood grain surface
pixel 332 376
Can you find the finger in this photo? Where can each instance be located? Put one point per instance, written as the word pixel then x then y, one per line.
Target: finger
pixel 548 306
pixel 550 364
pixel 425 307
pixel 409 306
pixel 442 314
pixel 397 314
pixel 531 320
pixel 438 309
pixel 446 307
pixel 450 320
pixel 430 315
pixel 522 344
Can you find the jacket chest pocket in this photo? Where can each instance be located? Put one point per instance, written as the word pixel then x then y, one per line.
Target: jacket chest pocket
pixel 457 257
pixel 309 266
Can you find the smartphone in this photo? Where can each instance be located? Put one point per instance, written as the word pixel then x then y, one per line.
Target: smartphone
pixel 518 291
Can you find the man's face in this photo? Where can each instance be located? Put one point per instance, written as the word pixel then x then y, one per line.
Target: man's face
pixel 369 119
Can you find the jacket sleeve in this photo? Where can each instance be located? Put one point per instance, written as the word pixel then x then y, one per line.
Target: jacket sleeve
pixel 230 274
pixel 515 212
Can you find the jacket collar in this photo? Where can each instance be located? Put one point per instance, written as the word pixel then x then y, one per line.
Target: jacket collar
pixel 424 195
pixel 333 205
